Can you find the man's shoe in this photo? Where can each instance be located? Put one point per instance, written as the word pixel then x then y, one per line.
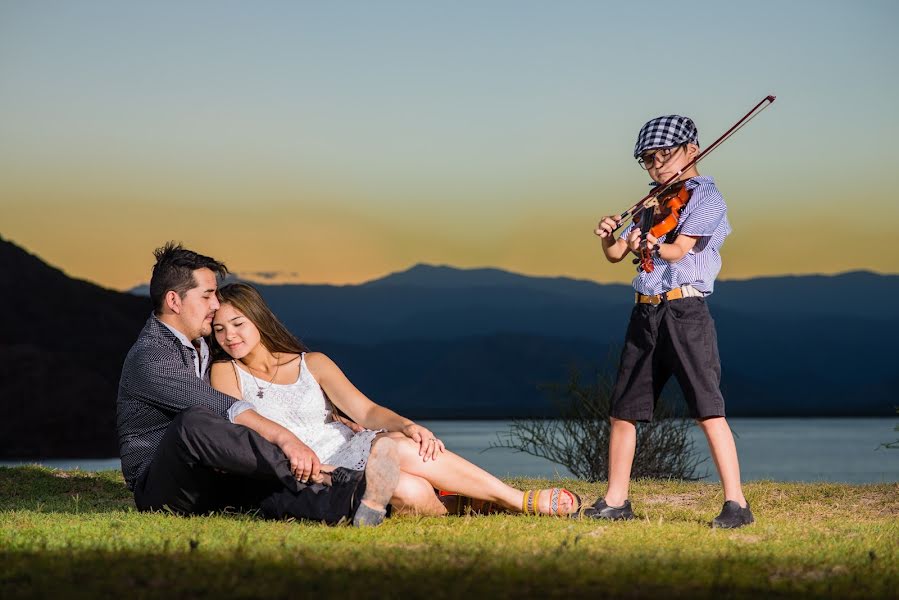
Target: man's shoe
pixel 733 516
pixel 601 510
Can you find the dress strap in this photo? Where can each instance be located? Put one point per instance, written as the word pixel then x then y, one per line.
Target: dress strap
pixel 237 376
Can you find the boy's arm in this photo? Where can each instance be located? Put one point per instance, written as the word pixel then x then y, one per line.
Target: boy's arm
pixel 674 251
pixel 615 249
pixel 707 210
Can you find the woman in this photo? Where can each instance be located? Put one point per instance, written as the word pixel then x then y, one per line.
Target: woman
pixel 259 360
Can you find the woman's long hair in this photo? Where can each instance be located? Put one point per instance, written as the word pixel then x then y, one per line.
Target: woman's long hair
pixel 275 336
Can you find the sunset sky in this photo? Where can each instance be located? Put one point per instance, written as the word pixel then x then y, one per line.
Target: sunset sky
pixel 339 141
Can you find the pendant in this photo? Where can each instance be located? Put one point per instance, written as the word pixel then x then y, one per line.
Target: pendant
pixel 260 394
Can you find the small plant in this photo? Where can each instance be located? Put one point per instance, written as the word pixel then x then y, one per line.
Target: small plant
pixel 579 438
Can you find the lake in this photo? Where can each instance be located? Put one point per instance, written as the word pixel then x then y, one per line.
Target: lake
pixel 796 449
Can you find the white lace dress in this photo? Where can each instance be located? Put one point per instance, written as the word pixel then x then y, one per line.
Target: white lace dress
pixel 302 408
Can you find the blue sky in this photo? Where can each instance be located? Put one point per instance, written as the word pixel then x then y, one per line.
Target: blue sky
pixel 341 141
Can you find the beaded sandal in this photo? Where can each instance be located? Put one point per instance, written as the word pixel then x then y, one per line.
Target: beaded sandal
pixel 530 500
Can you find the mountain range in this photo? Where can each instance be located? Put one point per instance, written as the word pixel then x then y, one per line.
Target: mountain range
pixel 441 342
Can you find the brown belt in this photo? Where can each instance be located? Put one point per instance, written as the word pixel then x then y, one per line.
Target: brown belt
pixel 675 294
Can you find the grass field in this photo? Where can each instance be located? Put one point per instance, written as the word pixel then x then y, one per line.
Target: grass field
pixel 76 534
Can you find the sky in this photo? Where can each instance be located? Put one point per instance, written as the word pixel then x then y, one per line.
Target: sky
pixel 336 142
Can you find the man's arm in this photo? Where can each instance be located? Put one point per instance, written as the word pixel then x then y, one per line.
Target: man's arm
pixel 172 389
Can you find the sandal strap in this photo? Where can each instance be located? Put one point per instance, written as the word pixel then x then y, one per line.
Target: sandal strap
pixel 576 503
pixel 554 501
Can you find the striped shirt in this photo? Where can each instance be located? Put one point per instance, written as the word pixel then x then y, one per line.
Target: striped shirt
pixel 159 380
pixel 704 217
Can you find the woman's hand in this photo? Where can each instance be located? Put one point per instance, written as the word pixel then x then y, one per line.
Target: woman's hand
pixel 428 444
pixel 353 425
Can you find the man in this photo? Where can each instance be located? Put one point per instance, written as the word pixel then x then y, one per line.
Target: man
pixel 191 449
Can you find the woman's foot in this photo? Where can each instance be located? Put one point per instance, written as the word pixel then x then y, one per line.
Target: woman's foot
pixel 457 504
pixel 554 501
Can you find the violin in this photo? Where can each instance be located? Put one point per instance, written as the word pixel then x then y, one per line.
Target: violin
pixel 661 217
pixel 671 196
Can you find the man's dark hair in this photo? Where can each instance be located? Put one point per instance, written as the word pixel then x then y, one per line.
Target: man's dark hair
pixel 174 271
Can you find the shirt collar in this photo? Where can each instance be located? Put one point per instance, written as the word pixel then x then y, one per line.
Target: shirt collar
pixel 695 182
pixel 182 337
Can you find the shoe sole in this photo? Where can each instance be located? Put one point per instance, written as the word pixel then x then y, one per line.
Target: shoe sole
pixel 716 525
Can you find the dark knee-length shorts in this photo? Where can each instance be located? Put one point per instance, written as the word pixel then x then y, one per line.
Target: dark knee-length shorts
pixel 676 337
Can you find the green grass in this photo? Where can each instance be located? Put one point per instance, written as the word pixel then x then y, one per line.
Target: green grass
pixel 76 534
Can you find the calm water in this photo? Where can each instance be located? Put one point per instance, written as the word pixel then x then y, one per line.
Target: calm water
pixel 778 449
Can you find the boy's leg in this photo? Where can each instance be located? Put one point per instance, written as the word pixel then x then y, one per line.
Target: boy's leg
pixel 724 453
pixel 622 444
pixel 641 374
pixel 694 346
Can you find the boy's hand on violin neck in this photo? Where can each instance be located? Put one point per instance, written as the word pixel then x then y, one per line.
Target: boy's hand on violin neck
pixel 633 239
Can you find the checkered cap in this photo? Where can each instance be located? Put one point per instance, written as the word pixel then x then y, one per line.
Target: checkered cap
pixel 665 132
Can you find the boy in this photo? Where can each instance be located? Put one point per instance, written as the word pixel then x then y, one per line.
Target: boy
pixel 671 331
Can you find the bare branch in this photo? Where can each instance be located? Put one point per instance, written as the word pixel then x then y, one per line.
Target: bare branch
pixel 579 438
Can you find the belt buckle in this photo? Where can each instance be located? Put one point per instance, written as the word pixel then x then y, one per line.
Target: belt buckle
pixel 655 299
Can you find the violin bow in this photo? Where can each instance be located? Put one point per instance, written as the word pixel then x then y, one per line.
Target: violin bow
pixel 660 189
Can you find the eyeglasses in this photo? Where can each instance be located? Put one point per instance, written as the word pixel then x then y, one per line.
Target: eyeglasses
pixel 648 159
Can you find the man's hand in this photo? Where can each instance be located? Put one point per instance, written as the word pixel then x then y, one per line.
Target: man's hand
pixel 428 444
pixel 304 463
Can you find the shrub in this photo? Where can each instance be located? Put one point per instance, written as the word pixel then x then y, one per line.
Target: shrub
pixel 579 438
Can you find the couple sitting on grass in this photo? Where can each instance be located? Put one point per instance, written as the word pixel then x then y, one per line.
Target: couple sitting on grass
pixel 247 420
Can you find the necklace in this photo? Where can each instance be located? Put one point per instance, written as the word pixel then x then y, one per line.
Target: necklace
pixel 262 390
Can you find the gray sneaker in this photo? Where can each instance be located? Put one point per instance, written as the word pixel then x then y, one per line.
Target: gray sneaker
pixel 733 515
pixel 601 510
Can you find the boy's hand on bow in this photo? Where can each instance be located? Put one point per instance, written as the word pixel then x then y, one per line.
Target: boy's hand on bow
pixel 607 226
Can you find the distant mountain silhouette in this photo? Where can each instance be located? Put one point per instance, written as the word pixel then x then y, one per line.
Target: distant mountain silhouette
pixel 62 343
pixel 793 345
pixel 441 342
pixel 796 345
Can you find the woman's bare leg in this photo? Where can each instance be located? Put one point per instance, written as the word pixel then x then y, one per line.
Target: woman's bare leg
pixel 414 495
pixel 453 473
